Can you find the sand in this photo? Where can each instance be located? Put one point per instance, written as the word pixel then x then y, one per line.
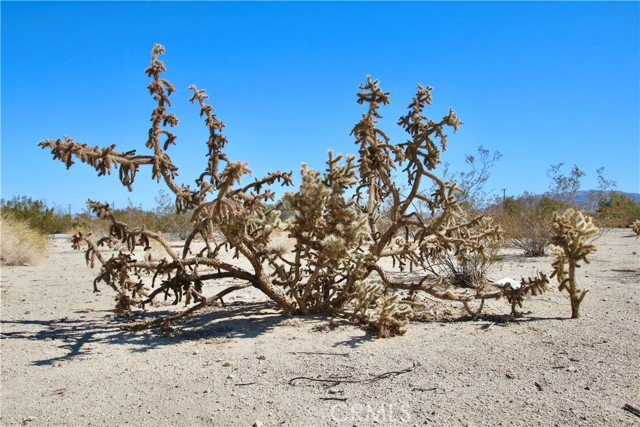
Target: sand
pixel 66 361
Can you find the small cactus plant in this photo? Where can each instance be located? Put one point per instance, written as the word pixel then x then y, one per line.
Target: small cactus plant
pixel 573 230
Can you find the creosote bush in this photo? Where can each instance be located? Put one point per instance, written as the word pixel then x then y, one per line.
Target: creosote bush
pixel 341 245
pixel 37 215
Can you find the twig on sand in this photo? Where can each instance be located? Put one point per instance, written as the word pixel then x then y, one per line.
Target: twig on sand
pixel 320 353
pixel 424 389
pixel 341 380
pixel 633 409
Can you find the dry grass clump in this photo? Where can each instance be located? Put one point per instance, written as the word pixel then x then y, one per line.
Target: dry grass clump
pixel 20 244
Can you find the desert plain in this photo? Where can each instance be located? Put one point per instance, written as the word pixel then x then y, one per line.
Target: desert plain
pixel 68 361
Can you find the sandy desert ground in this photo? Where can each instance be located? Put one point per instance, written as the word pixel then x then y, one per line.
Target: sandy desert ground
pixel 67 362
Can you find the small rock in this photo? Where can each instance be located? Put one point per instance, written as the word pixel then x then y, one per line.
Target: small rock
pixel 207 391
pixel 227 363
pixel 572 369
pixel 258 424
pixel 195 352
pixel 231 377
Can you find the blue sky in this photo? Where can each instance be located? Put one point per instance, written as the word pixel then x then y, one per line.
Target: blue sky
pixel 543 83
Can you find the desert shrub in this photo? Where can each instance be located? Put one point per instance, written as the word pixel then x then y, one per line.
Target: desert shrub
pixel 617 211
pixel 169 221
pixel 340 244
pixel 571 245
pixel 635 226
pixel 564 187
pixel 87 223
pixel 471 192
pixel 20 243
pixel 37 214
pixel 469 272
pixel 137 217
pixel 527 222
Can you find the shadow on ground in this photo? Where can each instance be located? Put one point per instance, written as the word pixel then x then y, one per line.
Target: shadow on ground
pixel 77 336
pixel 236 320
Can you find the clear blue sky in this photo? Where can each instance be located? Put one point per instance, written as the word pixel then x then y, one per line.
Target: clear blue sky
pixel 542 83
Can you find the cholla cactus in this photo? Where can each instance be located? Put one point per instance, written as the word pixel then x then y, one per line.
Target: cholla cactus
pixel 385 316
pixel 515 292
pixel 366 294
pixel 635 226
pixel 392 317
pixel 340 239
pixel 573 230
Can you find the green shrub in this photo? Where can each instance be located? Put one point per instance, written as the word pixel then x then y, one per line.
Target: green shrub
pixel 136 217
pixel 617 211
pixel 37 214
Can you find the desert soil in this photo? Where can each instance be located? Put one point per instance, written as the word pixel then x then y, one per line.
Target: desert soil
pixel 66 361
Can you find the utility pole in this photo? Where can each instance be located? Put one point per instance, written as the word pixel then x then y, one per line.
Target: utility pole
pixel 504 195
